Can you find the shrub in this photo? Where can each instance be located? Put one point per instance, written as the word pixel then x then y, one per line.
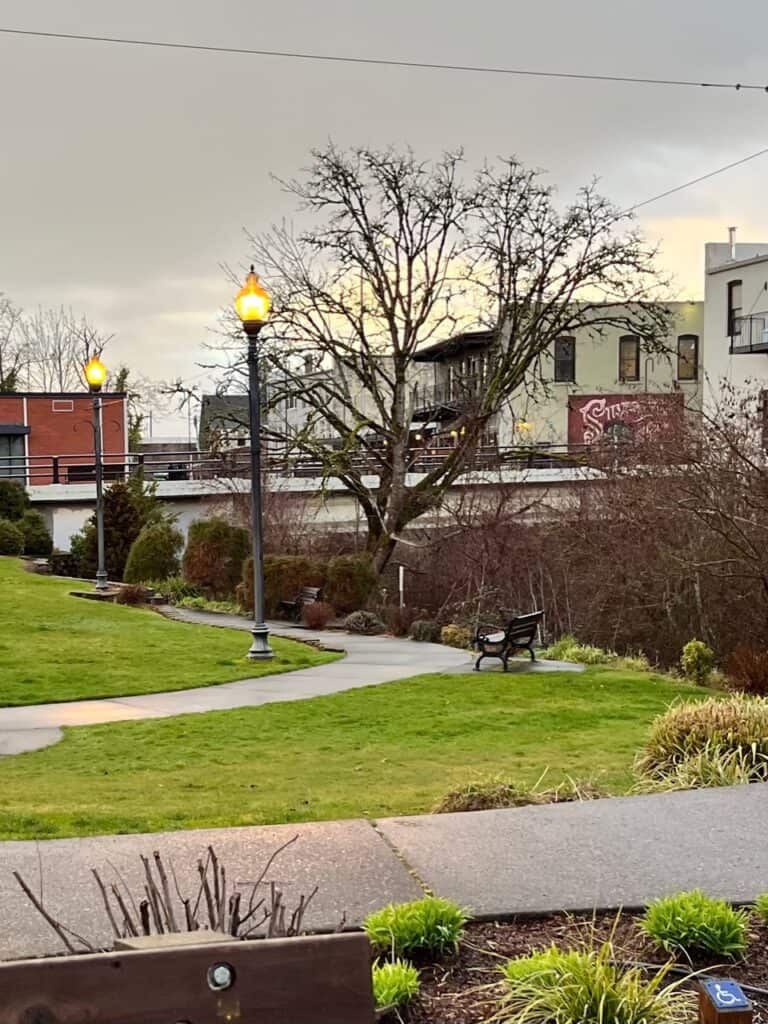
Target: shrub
pixel 318 614
pixel 492 793
pixel 154 555
pixel 694 727
pixel 395 984
pixel 747 670
pixel 129 506
pixel 38 543
pixel 11 538
pixel 14 501
pixel 429 926
pixel 204 604
pixel 555 986
pixel 64 563
pixel 364 622
pixel 132 594
pixel 456 636
pixel 349 582
pixel 568 648
pixel 425 631
pixel 697 661
pixel 284 576
pixel 399 621
pixel 173 589
pixel 761 907
pixel 693 923
pixel 214 556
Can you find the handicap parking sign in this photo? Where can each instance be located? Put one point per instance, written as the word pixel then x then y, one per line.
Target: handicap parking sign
pixel 726 994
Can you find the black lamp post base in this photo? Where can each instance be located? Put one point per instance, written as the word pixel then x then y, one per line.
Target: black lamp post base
pixel 260 649
pixel 101 580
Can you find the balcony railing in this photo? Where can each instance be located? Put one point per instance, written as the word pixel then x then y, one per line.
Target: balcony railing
pixel 445 400
pixel 750 333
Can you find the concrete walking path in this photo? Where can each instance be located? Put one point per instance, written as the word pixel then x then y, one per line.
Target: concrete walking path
pixel 602 854
pixel 368 660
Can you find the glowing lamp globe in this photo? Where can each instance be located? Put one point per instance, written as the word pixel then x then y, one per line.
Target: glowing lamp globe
pixel 96 374
pixel 252 302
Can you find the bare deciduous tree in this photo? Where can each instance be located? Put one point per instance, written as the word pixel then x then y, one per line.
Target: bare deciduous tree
pixel 11 347
pixel 402 253
pixel 56 348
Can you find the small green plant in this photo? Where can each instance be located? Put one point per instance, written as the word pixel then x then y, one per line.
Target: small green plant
pixel 365 623
pixel 11 538
pixel 173 589
pixel 38 543
pixel 425 631
pixel 203 604
pixel 456 636
pixel 761 907
pixel 395 984
pixel 697 661
pixel 429 926
pixel 694 923
pixel 555 986
pixel 568 648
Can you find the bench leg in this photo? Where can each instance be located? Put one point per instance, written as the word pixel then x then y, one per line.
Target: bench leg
pixel 530 651
pixel 477 663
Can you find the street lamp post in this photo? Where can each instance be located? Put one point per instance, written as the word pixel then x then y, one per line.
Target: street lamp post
pixel 252 304
pixel 96 375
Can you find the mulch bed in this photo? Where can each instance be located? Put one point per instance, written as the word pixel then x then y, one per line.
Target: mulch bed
pixel 465 989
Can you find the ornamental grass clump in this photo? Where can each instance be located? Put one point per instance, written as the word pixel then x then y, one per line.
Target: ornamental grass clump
pixel 395 984
pixel 709 729
pixel 555 986
pixel 761 907
pixel 693 923
pixel 428 927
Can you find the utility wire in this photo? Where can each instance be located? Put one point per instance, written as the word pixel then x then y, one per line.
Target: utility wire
pixel 385 62
pixel 696 181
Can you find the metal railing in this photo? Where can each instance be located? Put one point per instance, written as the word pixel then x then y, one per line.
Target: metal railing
pixel 41 470
pixel 447 397
pixel 750 333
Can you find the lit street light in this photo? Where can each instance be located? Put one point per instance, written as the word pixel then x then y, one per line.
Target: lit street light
pixel 96 375
pixel 252 305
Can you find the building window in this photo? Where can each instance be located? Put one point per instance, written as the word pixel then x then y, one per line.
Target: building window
pixel 565 360
pixel 734 308
pixel 688 357
pixel 629 357
pixel 12 456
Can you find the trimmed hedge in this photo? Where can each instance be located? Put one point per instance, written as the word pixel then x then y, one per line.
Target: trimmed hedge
pixel 38 543
pixel 350 580
pixel 346 581
pixel 14 500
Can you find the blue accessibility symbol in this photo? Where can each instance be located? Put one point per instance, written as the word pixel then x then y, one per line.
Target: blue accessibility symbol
pixel 726 995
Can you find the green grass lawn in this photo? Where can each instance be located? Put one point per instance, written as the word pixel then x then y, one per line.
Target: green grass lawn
pixel 390 749
pixel 55 647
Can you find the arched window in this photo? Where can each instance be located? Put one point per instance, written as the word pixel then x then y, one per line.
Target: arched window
pixel 629 357
pixel 688 357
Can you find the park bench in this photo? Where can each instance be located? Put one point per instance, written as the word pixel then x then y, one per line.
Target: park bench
pixel 294 608
pixel 519 634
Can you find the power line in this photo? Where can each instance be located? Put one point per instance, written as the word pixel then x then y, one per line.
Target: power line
pixel 696 181
pixel 385 61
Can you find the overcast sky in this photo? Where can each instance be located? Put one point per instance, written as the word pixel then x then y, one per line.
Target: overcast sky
pixel 127 175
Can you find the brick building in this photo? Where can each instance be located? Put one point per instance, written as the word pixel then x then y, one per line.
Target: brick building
pixel 47 438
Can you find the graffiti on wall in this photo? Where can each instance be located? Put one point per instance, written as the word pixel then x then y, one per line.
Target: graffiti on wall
pixel 592 417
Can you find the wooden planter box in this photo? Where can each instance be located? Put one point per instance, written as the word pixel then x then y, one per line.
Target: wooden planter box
pixel 323 979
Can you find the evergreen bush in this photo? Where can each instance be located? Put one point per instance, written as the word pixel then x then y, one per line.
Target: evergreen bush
pixel 425 631
pixel 154 555
pixel 11 538
pixel 14 500
pixel 349 582
pixel 38 543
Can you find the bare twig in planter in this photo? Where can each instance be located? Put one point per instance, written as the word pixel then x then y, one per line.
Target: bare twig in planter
pixel 170 916
pixel 131 927
pixel 267 866
pixel 107 906
pixel 61 930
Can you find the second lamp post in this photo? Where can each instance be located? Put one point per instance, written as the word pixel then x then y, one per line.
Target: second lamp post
pixel 252 304
pixel 96 375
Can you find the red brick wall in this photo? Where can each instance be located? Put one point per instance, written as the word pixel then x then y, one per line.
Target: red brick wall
pixel 63 426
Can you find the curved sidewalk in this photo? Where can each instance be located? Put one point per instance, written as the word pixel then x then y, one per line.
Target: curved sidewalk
pixel 369 660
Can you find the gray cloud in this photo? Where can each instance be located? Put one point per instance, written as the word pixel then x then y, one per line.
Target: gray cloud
pixel 126 175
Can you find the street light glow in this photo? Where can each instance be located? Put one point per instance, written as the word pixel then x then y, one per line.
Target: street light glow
pixel 96 374
pixel 253 302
